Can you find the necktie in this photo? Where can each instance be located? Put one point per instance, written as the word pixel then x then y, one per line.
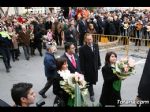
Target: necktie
pixel 73 61
pixel 92 48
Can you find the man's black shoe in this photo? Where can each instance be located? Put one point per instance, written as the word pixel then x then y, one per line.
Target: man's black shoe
pixel 7 70
pixel 17 59
pixel 28 58
pixel 10 66
pixel 41 54
pixel 92 98
pixel 43 95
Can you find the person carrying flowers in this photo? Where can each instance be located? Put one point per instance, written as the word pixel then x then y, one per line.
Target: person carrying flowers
pixel 109 95
pixel 61 95
pixel 113 73
pixel 69 88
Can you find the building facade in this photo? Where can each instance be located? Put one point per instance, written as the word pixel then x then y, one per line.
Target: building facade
pixel 22 10
pixel 13 10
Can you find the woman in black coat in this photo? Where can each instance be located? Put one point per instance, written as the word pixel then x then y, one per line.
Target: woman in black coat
pixel 61 95
pixel 109 95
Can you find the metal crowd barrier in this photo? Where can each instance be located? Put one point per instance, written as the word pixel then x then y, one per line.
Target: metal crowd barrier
pixel 127 43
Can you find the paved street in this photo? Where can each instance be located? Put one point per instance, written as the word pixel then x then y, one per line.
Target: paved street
pixel 33 71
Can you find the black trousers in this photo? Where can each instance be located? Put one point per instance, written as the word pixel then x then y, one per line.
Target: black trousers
pixel 38 46
pixel 5 52
pixel 90 89
pixel 138 42
pixel 31 47
pixel 48 84
pixel 15 54
pixel 81 39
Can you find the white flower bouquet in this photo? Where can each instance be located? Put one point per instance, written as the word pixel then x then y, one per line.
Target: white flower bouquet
pixel 124 68
pixel 75 86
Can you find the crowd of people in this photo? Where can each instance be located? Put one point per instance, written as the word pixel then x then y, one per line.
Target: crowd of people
pixel 32 31
pixel 45 31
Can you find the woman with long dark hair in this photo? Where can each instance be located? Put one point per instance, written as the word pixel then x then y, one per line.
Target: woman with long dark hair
pixel 109 95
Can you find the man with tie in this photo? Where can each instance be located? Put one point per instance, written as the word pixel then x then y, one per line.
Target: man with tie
pixel 72 57
pixel 90 63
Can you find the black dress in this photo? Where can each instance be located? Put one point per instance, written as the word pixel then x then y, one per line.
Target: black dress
pixel 59 92
pixel 109 95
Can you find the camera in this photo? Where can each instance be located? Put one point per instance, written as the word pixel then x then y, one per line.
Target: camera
pixel 40 103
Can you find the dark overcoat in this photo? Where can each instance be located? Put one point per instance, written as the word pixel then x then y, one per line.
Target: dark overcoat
pixel 144 85
pixel 90 62
pixel 109 95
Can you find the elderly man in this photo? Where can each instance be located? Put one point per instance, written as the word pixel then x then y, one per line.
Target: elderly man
pixel 50 68
pixel 90 63
pixel 24 40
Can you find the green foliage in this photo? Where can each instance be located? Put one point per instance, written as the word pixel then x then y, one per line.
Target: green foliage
pixel 78 100
pixel 117 85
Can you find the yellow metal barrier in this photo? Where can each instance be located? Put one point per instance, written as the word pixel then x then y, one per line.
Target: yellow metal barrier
pixel 127 43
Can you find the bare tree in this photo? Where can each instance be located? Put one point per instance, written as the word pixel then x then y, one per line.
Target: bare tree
pixel 1 11
pixel 6 13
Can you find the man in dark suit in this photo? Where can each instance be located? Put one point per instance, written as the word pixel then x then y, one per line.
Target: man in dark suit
pixel 71 34
pixel 82 29
pixel 144 85
pixel 48 24
pixel 39 31
pixel 90 63
pixel 72 57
